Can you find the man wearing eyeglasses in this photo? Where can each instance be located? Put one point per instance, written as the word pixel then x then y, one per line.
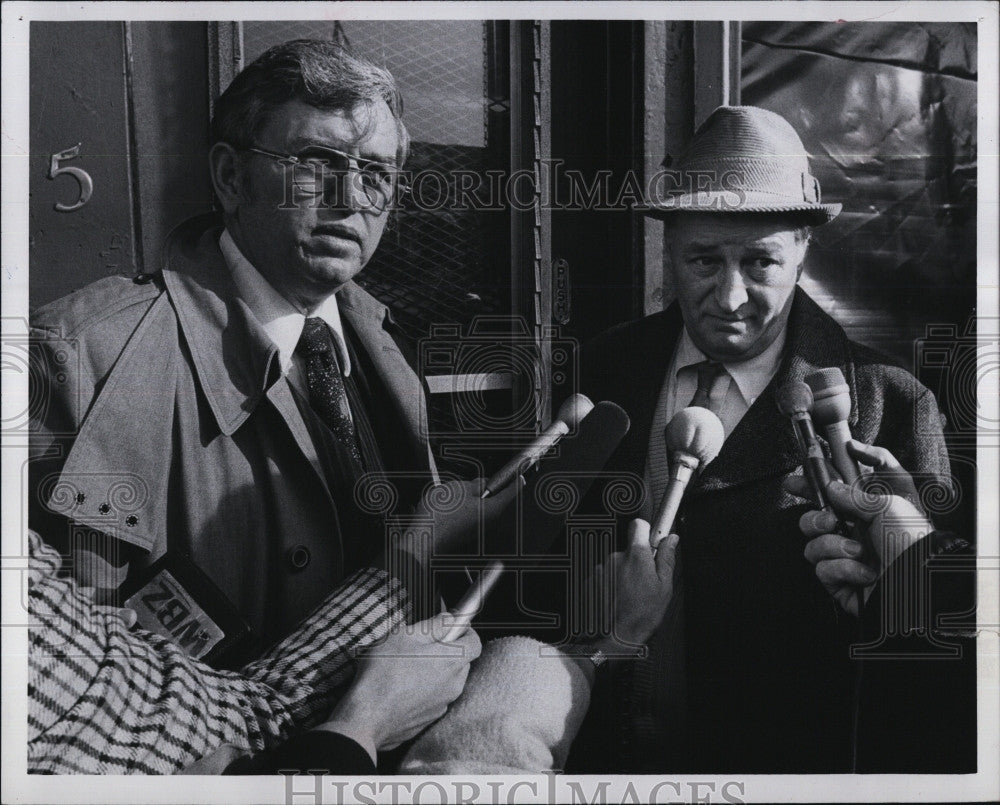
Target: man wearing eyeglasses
pixel 208 428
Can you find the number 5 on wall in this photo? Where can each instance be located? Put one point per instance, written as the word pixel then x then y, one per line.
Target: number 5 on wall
pixel 81 176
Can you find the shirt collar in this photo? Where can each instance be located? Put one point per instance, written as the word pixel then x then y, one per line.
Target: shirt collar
pixel 281 320
pixel 751 376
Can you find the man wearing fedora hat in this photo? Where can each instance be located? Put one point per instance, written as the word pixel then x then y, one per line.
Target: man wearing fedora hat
pixel 750 670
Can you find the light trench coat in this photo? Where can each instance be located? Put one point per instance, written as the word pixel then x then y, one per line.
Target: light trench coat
pixel 161 418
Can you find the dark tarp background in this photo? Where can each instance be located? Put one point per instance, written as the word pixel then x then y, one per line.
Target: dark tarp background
pixel 888 112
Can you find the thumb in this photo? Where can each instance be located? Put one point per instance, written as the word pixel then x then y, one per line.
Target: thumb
pixel 444 625
pixel 876 457
pixel 638 535
pixel 666 557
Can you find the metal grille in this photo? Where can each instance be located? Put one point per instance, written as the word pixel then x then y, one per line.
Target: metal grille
pixel 259 36
pixel 437 263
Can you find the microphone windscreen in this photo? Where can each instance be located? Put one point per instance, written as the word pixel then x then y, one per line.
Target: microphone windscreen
pixel 795 397
pixel 697 432
pixel 831 396
pixel 574 409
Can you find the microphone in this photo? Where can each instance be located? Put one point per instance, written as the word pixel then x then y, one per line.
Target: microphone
pixel 795 400
pixel 472 601
pixel 831 407
pixel 571 413
pixel 694 438
pixel 578 465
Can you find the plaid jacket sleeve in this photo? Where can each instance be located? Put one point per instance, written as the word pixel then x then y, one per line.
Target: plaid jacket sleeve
pixel 107 699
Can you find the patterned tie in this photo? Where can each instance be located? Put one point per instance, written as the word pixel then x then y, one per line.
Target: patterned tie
pixel 327 394
pixel 708 371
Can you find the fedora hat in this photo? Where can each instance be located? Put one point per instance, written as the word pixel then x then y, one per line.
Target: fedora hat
pixel 742 159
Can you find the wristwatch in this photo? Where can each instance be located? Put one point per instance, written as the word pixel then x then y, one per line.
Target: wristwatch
pixel 598 658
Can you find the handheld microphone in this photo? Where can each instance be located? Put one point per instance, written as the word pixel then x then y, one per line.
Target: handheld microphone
pixel 472 601
pixel 831 407
pixel 581 461
pixel 694 438
pixel 571 413
pixel 795 400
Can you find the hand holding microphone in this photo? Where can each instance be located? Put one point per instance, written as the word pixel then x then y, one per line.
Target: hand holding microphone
pixel 795 400
pixel 571 413
pixel 601 429
pixel 694 438
pixel 890 521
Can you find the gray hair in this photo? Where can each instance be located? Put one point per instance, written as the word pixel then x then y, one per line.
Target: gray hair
pixel 317 72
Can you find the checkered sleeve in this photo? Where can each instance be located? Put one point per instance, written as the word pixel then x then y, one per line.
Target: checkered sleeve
pixel 107 699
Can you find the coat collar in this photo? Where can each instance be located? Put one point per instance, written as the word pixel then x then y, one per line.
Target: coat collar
pixel 234 359
pixel 231 353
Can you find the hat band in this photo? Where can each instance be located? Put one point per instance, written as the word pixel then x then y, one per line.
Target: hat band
pixel 801 186
pixel 810 188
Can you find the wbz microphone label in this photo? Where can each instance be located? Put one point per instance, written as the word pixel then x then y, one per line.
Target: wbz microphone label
pixel 163 606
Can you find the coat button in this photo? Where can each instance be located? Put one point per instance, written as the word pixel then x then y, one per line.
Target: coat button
pixel 80 497
pixel 131 520
pixel 104 508
pixel 298 557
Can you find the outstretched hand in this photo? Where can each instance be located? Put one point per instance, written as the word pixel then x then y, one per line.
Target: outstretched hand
pixel 459 513
pixel 404 683
pixel 890 523
pixel 638 586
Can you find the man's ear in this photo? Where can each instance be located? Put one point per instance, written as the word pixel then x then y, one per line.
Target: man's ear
pixel 228 177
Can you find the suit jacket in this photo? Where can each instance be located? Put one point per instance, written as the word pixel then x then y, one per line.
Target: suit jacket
pixel 770 685
pixel 163 420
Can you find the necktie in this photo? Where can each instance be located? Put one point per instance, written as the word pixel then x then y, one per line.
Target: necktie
pixel 327 394
pixel 708 371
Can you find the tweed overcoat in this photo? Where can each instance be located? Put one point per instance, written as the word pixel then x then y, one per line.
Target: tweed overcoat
pixel 769 682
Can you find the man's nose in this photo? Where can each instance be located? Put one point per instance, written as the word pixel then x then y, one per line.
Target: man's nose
pixel 346 192
pixel 731 290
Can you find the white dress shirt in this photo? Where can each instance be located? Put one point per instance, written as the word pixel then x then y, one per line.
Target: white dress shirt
pixel 732 394
pixel 282 321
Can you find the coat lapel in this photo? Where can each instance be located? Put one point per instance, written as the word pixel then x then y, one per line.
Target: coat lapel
pixel 231 353
pixel 763 443
pixel 234 359
pixel 369 319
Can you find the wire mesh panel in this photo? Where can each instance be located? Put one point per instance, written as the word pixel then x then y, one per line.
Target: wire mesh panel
pixel 445 256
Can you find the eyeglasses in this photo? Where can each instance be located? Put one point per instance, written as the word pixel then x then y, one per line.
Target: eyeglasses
pixel 322 171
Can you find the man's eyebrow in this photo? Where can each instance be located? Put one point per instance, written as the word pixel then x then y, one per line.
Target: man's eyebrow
pixel 695 246
pixel 768 246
